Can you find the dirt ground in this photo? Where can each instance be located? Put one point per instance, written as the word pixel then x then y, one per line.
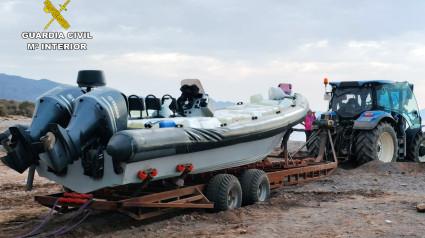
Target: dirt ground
pixel 373 200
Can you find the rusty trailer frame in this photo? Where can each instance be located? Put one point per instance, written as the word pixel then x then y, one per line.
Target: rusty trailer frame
pixel 141 207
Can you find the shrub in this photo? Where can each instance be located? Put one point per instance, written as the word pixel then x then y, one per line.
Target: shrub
pixel 16 108
pixel 26 108
pixel 3 112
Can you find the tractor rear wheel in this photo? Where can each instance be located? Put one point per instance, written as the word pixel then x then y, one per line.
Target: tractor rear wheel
pixel 314 144
pixel 416 151
pixel 379 143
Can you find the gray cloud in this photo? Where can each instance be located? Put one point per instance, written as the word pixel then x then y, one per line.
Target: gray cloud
pixel 237 48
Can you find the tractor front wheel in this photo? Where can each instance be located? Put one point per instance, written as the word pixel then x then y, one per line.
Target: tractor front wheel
pixel 379 143
pixel 417 149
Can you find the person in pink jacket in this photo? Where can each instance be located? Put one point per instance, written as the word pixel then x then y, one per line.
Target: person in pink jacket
pixel 308 124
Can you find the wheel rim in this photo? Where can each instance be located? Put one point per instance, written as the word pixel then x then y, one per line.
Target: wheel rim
pixel 421 147
pixel 232 198
pixel 262 192
pixel 385 150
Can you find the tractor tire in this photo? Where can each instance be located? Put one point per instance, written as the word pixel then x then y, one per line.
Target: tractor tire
pixel 314 145
pixel 416 151
pixel 379 143
pixel 225 191
pixel 255 186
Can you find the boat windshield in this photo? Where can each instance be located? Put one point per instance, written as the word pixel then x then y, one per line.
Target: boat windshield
pixel 350 102
pixel 193 81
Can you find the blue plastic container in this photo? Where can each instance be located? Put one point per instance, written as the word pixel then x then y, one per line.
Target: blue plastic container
pixel 165 124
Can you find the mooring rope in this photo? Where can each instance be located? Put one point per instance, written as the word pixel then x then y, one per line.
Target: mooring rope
pixel 64 229
pixel 42 223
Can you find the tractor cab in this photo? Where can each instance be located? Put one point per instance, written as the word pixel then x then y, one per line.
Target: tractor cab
pixel 351 99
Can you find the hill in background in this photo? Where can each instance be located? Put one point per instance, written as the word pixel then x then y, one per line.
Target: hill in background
pixel 23 89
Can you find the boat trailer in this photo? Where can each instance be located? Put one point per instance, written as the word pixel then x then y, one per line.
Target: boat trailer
pixel 154 198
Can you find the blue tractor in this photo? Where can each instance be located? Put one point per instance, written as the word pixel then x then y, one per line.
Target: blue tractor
pixel 371 120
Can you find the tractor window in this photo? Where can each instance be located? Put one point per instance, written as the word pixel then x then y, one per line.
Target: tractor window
pixel 350 102
pixel 395 98
pixel 383 98
pixel 398 97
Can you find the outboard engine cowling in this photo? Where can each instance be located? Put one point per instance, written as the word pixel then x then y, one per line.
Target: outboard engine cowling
pixel 97 116
pixel 54 106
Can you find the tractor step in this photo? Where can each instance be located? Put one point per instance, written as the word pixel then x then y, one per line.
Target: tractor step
pixel 401 148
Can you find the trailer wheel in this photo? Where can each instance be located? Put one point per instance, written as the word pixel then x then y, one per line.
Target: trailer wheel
pixel 379 143
pixel 416 150
pixel 255 186
pixel 314 145
pixel 225 191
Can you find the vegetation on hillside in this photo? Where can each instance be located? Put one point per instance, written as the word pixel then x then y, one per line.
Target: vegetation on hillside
pixel 11 107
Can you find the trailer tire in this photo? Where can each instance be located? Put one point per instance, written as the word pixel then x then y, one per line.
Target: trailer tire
pixel 314 145
pixel 379 143
pixel 416 151
pixel 225 191
pixel 255 186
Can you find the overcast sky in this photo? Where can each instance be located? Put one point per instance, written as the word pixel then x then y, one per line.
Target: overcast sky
pixel 236 48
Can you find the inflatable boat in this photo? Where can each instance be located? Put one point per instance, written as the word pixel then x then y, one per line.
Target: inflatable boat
pixel 92 136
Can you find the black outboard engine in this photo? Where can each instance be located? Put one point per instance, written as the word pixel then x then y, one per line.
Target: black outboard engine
pixel 97 116
pixel 54 106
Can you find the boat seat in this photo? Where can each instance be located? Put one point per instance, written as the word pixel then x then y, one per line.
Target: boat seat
pixel 286 88
pixel 152 103
pixel 173 104
pixel 135 103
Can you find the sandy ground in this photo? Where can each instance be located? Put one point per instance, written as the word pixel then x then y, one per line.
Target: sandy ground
pixel 373 200
pixel 6 122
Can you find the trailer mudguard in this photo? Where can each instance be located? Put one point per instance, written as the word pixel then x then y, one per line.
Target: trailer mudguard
pixel 370 119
